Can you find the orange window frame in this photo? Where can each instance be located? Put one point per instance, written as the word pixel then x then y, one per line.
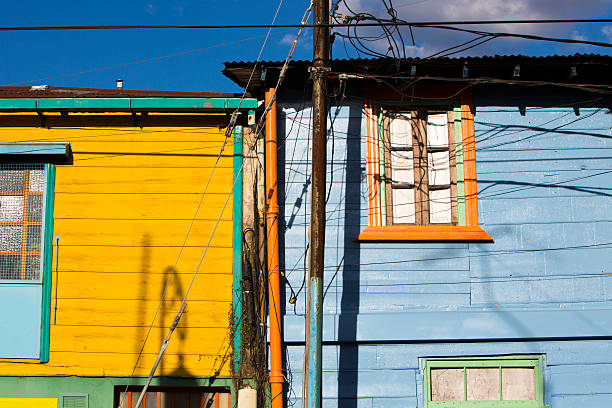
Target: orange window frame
pixel 375 232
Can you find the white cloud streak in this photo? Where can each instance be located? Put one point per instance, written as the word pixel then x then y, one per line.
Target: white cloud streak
pixel 429 41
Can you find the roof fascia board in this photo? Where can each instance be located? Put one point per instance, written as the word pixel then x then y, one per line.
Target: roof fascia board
pixel 58 153
pixel 127 104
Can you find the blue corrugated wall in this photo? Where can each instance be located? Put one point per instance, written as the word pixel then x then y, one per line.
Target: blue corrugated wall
pixel 544 287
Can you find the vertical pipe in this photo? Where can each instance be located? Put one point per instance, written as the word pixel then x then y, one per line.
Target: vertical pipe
pixel 314 314
pixel 276 375
pixel 261 230
pixel 237 248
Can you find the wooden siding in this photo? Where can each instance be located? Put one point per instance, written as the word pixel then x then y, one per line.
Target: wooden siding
pixel 122 212
pixel 544 286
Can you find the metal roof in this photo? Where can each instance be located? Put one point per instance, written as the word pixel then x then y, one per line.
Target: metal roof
pixel 589 68
pixel 45 91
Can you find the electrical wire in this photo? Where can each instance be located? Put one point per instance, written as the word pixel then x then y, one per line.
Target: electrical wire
pixel 183 303
pixel 382 23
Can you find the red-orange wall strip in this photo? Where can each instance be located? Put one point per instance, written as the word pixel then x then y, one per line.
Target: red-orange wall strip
pixel 469 165
pixel 372 166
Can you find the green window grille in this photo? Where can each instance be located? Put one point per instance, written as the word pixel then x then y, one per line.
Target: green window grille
pixel 75 401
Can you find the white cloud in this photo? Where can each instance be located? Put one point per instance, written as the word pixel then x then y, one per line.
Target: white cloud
pixel 433 40
pixel 607 31
pixel 575 35
pixel 150 8
pixel 287 39
pixel 414 51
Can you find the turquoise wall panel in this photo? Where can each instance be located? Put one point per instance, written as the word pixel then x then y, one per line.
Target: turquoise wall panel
pixel 20 320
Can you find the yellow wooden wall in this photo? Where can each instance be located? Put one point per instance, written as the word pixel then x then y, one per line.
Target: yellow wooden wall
pixel 122 212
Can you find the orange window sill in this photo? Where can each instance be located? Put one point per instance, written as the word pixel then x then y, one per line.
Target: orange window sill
pixel 430 233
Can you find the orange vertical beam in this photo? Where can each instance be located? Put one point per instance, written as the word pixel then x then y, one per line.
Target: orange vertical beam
pixel 276 374
pixel 372 164
pixel 469 164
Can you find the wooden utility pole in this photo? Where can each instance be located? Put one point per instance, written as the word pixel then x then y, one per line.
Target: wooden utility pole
pixel 314 303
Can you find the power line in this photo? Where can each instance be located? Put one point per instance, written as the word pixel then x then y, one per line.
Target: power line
pixel 228 26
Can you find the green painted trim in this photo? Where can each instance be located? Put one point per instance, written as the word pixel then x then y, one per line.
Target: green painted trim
pixel 60 402
pixel 18 104
pixel 459 168
pixel 192 103
pixel 537 362
pixel 383 177
pixel 47 261
pixel 50 104
pixel 237 248
pixel 127 104
pixel 100 390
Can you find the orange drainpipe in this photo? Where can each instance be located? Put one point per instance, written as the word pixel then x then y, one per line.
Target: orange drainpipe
pixel 276 374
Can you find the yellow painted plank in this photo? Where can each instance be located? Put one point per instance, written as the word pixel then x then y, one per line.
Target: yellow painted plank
pixel 129 340
pixel 116 364
pixel 137 313
pixel 143 180
pixel 114 134
pixel 28 402
pixel 137 206
pixel 215 287
pixel 155 260
pixel 142 232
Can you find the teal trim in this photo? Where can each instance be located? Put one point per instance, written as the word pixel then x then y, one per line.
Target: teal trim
pixel 47 260
pixel 44 104
pixel 500 362
pixel 18 104
pixel 40 152
pixel 100 390
pixel 237 247
pixel 459 168
pixel 126 104
pixel 381 160
pixel 192 103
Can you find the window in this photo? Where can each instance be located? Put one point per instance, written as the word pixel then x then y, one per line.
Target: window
pixel 510 381
pixel 178 397
pixel 419 177
pixel 26 204
pixel 421 174
pixel 22 189
pixel 27 179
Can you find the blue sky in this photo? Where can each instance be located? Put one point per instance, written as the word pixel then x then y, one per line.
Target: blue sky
pixel 52 57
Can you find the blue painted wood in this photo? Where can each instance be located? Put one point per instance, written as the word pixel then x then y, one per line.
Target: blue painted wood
pixel 566 361
pixel 463 325
pixel 20 320
pixel 591 400
pixel 545 193
pixel 593 379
